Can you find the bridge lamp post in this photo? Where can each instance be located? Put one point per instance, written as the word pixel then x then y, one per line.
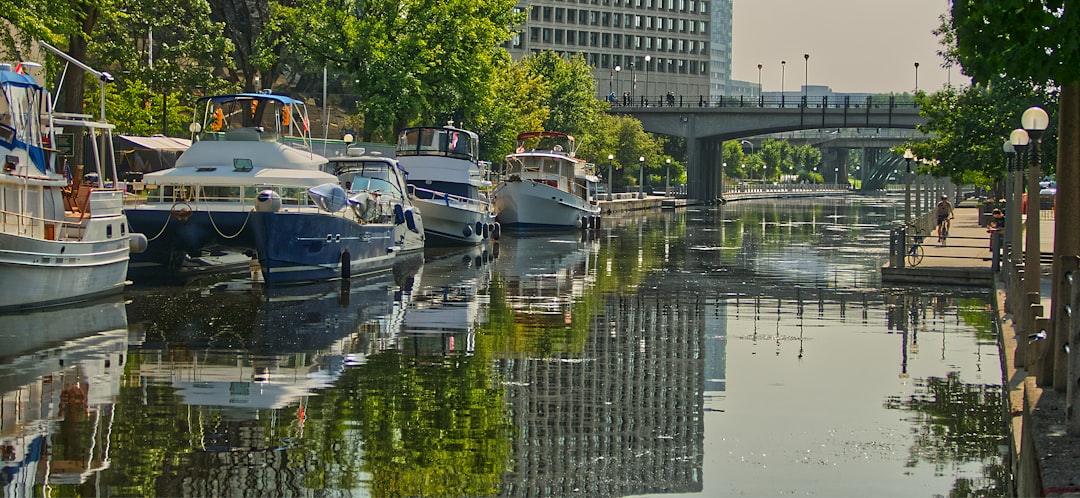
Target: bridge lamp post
pixel 667 179
pixel 618 88
pixel 783 67
pixel 916 77
pixel 1034 121
pixel 633 80
pixel 641 177
pixel 647 59
pixel 806 76
pixel 611 176
pixel 908 156
pixel 761 94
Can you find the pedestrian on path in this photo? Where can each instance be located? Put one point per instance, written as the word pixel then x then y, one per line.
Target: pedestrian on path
pixel 996 229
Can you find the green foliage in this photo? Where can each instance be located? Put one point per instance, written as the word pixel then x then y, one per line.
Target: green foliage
pixel 968 126
pixel 572 92
pixel 135 110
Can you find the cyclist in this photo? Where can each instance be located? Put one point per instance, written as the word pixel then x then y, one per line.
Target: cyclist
pixel 944 214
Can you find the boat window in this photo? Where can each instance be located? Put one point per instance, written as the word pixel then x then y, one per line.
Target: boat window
pixel 220 194
pixel 293 196
pixel 373 184
pixel 551 166
pixel 430 140
pixel 407 141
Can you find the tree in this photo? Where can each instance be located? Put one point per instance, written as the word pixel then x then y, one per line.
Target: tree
pixel 572 98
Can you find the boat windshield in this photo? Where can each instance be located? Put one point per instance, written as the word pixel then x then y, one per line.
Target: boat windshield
pixel 254 117
pixel 437 141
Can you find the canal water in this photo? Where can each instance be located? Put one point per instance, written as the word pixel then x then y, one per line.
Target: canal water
pixel 740 350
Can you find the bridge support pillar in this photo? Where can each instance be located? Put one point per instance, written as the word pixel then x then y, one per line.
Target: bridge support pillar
pixel 704 180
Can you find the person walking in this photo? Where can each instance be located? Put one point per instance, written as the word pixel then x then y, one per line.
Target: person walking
pixel 996 229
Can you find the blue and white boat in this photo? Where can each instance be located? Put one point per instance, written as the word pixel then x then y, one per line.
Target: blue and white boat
pixel 358 231
pixel 445 178
pixel 60 241
pixel 547 186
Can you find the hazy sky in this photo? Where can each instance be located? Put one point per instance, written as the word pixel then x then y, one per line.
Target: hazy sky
pixel 854 45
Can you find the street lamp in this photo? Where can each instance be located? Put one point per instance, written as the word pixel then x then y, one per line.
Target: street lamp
pixel 783 66
pixel 1010 152
pixel 667 180
pixel 1019 139
pixel 641 178
pixel 806 76
pixel 916 77
pixel 617 87
pixel 1034 121
pixel 908 156
pixel 611 175
pixel 633 79
pixel 647 59
pixel 760 91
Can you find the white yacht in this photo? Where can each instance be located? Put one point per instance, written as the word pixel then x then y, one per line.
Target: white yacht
pixel 547 186
pixel 445 180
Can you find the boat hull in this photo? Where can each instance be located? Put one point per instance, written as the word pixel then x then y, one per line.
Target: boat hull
pixel 448 225
pixel 529 204
pixel 303 247
pixel 52 272
pixel 172 231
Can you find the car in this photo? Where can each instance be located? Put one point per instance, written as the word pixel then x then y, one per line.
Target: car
pixel 1048 188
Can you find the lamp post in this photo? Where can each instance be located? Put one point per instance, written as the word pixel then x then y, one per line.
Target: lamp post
pixel 1019 140
pixel 1009 151
pixel 633 79
pixel 618 89
pixel 1034 121
pixel 916 77
pixel 908 156
pixel 641 177
pixel 611 176
pixel 667 179
pixel 751 144
pixel 647 59
pixel 761 94
pixel 806 77
pixel 783 66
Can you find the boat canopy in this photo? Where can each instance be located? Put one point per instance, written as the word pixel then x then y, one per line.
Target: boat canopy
pixel 219 99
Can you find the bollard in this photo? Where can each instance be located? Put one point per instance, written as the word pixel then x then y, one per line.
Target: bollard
pixel 1072 410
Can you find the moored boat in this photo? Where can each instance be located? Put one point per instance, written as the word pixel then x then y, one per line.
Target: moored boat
pixel 60 241
pixel 445 177
pixel 246 144
pixel 363 223
pixel 547 187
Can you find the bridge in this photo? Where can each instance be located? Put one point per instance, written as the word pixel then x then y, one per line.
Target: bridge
pixel 707 123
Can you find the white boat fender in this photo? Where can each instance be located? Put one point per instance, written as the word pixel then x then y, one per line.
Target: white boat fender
pixel 363 205
pixel 578 223
pixel 467 231
pixel 137 243
pixel 479 229
pixel 487 232
pixel 268 201
pixel 329 197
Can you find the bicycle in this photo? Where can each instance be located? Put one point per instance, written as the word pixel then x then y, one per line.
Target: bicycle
pixel 943 231
pixel 916 252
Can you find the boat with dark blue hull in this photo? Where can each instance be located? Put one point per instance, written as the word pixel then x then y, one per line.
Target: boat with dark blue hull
pixel 354 230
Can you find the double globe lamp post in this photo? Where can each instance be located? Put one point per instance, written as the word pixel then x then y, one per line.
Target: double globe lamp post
pixel 1034 122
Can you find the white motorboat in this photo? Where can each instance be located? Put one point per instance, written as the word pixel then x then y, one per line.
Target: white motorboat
pixel 60 241
pixel 547 187
pixel 445 178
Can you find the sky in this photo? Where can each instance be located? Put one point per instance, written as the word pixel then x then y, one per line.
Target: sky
pixel 854 45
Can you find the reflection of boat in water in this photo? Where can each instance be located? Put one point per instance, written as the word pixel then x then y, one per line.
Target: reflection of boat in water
pixel 289 342
pixel 447 305
pixel 63 382
pixel 544 274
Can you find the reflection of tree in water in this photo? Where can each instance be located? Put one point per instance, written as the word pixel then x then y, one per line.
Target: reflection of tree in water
pixel 957 423
pixel 426 426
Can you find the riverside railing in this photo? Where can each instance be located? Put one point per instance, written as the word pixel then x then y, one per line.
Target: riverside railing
pixel 785 102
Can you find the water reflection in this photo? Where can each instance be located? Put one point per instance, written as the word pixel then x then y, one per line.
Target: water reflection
pixel 746 349
pixel 59 374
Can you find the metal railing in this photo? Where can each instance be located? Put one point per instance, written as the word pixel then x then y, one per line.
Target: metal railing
pixel 450 199
pixel 785 102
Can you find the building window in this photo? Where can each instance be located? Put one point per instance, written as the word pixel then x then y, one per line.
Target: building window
pixel 593 39
pixel 534 14
pixel 682 46
pixel 559 14
pixel 560 36
pixel 605 19
pixel 571 16
pixel 617 20
pixel 704 7
pixel 546 32
pixel 704 27
pixel 682 25
pixel 582 38
pixel 547 14
pixel 516 40
pixel 583 17
pixel 605 40
pixel 534 35
pixel 682 5
pixel 617 41
pixel 594 18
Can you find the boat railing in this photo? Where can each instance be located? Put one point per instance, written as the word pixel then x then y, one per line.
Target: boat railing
pixel 448 199
pixel 41 228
